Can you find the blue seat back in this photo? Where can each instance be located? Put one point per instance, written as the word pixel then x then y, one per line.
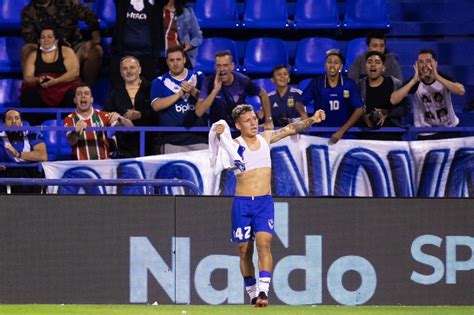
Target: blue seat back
pixel 407 50
pixel 105 10
pixel 10 92
pixel 205 59
pixel 355 47
pixel 56 143
pixel 10 54
pixel 366 14
pixel 259 14
pixel 216 13
pixel 263 54
pixel 311 54
pixel 10 14
pixel 317 14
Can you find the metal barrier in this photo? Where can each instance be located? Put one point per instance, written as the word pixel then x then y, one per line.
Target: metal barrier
pixel 148 183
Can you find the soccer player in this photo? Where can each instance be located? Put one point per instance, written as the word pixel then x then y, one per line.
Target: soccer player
pixel 253 208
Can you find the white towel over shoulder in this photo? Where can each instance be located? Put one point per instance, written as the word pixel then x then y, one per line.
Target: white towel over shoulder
pixel 223 153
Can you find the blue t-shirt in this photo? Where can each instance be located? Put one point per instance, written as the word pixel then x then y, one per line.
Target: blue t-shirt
pixel 182 113
pixel 229 96
pixel 26 144
pixel 284 107
pixel 339 102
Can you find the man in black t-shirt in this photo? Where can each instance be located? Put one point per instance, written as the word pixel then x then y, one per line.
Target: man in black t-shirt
pixel 375 90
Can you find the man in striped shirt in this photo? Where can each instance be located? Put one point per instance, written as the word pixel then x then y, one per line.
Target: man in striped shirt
pixel 90 145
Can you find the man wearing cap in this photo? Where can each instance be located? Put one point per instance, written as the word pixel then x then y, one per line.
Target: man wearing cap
pixel 336 95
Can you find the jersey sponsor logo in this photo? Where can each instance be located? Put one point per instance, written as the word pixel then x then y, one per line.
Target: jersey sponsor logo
pixel 347 94
pixel 275 105
pixel 182 108
pixel 136 16
pixel 270 224
pixel 291 101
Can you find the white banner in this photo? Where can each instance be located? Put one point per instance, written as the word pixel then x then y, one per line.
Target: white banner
pixel 302 166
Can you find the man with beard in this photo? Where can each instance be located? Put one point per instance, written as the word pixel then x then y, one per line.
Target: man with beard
pixel 21 147
pixel 174 95
pixel 337 96
pixel 375 91
pixel 432 105
pixel 223 91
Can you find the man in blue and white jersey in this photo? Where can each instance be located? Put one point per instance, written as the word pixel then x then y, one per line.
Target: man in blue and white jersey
pixel 337 96
pixel 174 96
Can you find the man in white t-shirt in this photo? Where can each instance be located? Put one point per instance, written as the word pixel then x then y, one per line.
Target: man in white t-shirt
pixel 432 105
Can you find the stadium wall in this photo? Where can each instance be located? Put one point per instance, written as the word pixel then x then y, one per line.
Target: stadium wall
pixel 165 249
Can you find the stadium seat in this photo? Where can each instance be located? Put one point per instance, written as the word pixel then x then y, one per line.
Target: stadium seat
pixel 316 14
pixel 10 14
pixel 265 83
pixel 206 55
pixel 105 10
pixel 57 147
pixel 100 91
pixel 10 54
pixel 259 14
pixel 311 55
pixel 366 14
pixel 217 13
pixel 262 54
pixel 355 47
pixel 10 92
pixel 407 50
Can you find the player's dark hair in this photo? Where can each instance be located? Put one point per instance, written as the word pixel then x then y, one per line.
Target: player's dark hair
pixel 276 68
pixel 376 35
pixel 223 53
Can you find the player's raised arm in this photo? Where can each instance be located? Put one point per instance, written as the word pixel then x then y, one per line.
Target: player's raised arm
pixel 295 127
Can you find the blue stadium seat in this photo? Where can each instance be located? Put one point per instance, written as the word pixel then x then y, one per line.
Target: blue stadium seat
pixel 10 14
pixel 57 146
pixel 316 14
pixel 263 54
pixel 265 83
pixel 311 55
pixel 259 14
pixel 10 92
pixel 216 13
pixel 100 92
pixel 355 47
pixel 206 55
pixel 407 50
pixel 10 54
pixel 105 10
pixel 366 14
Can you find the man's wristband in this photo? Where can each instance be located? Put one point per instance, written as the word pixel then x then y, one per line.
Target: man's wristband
pixel 268 118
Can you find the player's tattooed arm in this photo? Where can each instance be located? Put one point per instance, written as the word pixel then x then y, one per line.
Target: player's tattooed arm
pixel 298 126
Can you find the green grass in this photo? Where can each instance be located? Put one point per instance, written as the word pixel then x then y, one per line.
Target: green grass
pixel 41 309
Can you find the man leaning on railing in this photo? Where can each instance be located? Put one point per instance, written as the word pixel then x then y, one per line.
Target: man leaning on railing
pixel 20 147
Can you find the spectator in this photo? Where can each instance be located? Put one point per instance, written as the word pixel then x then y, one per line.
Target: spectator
pixel 225 89
pixel 130 99
pixel 90 145
pixel 174 96
pixel 432 104
pixel 51 74
pixel 336 95
pixel 181 28
pixel 64 16
pixel 21 147
pixel 138 32
pixel 376 41
pixel 375 91
pixel 285 102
